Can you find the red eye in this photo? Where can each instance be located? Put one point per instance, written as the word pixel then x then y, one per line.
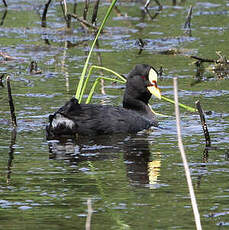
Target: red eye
pixel 154 83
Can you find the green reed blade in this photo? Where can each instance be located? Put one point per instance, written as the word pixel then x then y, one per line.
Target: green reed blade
pixel 180 104
pixel 80 85
pixel 95 84
pixel 89 74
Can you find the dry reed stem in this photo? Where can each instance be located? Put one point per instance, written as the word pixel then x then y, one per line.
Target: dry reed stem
pixel 11 103
pixel 4 2
pixel 95 12
pixel 85 9
pixel 84 22
pixel 89 214
pixel 183 156
pixel 43 19
pixel 204 125
pixel 188 18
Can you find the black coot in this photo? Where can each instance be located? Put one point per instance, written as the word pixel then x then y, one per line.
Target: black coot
pixel 94 119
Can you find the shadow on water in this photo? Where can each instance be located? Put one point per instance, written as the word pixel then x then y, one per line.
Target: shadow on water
pixel 11 154
pixel 142 164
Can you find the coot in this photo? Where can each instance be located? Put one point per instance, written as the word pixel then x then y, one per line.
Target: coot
pixel 94 119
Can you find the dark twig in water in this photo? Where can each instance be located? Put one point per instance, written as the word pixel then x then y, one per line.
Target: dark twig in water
pixel 141 43
pixel 74 7
pixel 3 17
pixel 205 155
pixel 199 73
pixel 95 12
pixel 203 59
pixel 43 19
pixel 86 6
pixel 187 24
pixel 157 2
pixel 188 19
pixel 160 72
pixel 84 22
pixel 147 4
pixel 183 155
pixel 11 153
pixel 67 16
pixel 11 103
pixel 4 2
pixel 147 10
pixel 64 9
pixel 204 125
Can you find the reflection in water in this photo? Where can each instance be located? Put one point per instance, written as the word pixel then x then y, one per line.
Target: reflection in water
pixel 141 168
pixel 11 154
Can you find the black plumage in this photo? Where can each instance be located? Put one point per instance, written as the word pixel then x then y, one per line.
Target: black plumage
pixel 94 119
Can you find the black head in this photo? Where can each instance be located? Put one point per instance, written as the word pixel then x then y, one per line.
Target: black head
pixel 137 85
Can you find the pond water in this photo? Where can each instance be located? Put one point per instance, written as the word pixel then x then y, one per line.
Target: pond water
pixel 113 182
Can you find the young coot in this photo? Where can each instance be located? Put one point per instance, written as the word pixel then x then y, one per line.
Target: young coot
pixel 93 119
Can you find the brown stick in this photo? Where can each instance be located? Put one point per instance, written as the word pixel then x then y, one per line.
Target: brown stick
pixel 188 19
pixel 204 125
pixel 3 17
pixel 4 2
pixel 95 12
pixel 84 22
pixel 85 9
pixel 156 1
pixel 43 19
pixel 74 7
pixel 11 103
pixel 203 59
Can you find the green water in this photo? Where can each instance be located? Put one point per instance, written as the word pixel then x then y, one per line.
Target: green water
pixel 131 182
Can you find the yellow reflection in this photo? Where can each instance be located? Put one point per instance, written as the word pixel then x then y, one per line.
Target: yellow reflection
pixel 154 171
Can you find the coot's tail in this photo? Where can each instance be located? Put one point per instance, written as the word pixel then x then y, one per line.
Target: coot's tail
pixel 61 123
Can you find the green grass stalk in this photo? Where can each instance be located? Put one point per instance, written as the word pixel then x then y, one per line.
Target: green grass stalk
pixel 95 84
pixel 123 80
pixel 80 85
pixel 180 104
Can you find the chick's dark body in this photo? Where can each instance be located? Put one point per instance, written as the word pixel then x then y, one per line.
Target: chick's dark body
pixel 95 119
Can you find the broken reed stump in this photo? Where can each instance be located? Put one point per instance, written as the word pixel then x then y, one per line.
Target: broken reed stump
pixel 86 6
pixel 83 22
pixel 11 103
pixel 43 19
pixel 4 2
pixel 200 60
pixel 95 12
pixel 188 19
pixel 3 17
pixel 203 123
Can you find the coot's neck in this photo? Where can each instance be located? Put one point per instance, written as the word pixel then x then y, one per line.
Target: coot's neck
pixel 138 103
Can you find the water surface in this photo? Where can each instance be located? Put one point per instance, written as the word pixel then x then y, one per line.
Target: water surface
pixel 130 181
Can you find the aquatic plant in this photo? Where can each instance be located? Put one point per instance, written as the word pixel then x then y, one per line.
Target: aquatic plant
pixel 83 82
pixel 80 85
